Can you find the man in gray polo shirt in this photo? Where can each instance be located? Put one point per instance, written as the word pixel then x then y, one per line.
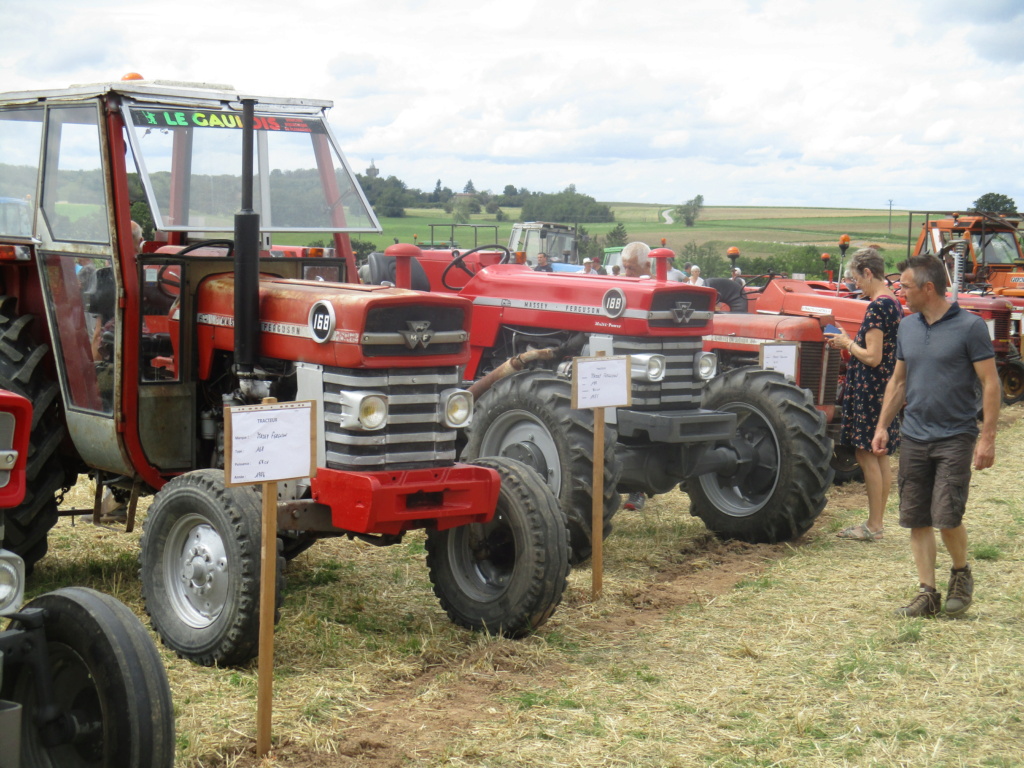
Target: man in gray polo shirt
pixel 942 353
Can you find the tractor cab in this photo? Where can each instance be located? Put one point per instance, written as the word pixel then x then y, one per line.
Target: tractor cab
pixel 107 187
pixel 558 241
pixel 991 243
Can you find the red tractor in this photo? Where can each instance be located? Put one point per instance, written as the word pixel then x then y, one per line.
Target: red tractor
pixel 131 347
pixel 749 446
pixel 80 677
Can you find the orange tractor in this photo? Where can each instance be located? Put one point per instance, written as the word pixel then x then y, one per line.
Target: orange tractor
pixel 983 257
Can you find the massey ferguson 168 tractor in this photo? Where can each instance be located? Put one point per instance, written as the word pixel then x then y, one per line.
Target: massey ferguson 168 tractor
pixel 749 445
pixel 130 351
pixel 81 682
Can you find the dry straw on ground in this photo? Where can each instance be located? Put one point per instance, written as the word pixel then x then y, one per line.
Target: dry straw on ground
pixel 700 653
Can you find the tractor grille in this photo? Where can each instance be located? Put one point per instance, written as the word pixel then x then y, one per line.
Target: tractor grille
pixel 407 330
pixel 1001 323
pixel 668 308
pixel 414 435
pixel 680 388
pixel 819 372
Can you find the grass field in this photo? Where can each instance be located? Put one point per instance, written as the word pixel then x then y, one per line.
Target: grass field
pixel 758 232
pixel 699 654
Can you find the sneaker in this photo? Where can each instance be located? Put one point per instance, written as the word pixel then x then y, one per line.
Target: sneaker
pixel 635 501
pixel 961 591
pixel 925 604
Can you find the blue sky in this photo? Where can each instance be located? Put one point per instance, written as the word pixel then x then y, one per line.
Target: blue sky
pixel 747 102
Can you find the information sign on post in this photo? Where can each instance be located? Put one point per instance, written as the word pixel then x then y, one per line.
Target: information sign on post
pixel 270 442
pixel 781 356
pixel 264 444
pixel 598 383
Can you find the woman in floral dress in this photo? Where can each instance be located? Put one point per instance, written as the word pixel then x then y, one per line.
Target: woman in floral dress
pixel 872 359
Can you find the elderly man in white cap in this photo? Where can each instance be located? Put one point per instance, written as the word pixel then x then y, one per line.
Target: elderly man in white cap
pixel 588 266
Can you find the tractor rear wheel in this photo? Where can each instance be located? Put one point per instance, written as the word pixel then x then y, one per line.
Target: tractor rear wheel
pixel 777 488
pixel 22 364
pixel 1011 376
pixel 529 417
pixel 200 568
pixel 507 576
pixel 108 683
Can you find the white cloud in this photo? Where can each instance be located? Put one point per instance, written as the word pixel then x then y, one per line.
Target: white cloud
pixel 768 101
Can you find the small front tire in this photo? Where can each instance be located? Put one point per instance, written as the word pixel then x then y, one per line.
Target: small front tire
pixel 200 568
pixel 507 576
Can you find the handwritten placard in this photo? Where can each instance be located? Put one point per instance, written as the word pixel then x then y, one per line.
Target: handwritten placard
pixel 601 382
pixel 268 443
pixel 781 356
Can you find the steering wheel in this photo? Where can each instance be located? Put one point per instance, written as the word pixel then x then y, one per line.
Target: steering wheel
pixel 459 260
pixel 758 283
pixel 170 285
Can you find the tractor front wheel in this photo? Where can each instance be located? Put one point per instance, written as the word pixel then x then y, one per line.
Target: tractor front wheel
pixel 109 687
pixel 1011 376
pixel 507 576
pixel 529 417
pixel 200 568
pixel 846 466
pixel 776 487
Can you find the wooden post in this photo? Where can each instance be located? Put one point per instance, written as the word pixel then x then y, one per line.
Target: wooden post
pixel 268 602
pixel 599 382
pixel 256 455
pixel 597 508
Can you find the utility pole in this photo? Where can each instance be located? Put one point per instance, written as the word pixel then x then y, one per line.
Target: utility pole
pixel 890 217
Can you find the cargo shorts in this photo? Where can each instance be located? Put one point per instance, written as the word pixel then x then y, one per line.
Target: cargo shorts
pixel 934 479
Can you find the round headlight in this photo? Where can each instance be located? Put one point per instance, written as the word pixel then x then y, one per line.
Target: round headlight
pixel 656 368
pixel 373 412
pixel 10 586
pixel 459 409
pixel 707 365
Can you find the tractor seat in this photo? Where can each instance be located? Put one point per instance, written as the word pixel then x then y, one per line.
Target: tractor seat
pixel 729 292
pixel 383 268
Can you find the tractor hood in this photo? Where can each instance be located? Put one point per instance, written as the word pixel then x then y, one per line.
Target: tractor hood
pixel 590 303
pixel 785 296
pixel 341 325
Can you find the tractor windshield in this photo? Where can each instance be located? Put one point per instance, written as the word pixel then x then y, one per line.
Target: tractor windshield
pixel 190 161
pixel 996 247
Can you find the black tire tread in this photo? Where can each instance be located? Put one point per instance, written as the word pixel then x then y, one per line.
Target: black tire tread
pixel 543 567
pixel 22 371
pixel 533 390
pixel 806 455
pixel 238 642
pixel 139 723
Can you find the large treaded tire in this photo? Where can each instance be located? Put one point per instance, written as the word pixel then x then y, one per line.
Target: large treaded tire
pixel 529 417
pixel 778 487
pixel 507 576
pixel 200 568
pixel 107 675
pixel 23 370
